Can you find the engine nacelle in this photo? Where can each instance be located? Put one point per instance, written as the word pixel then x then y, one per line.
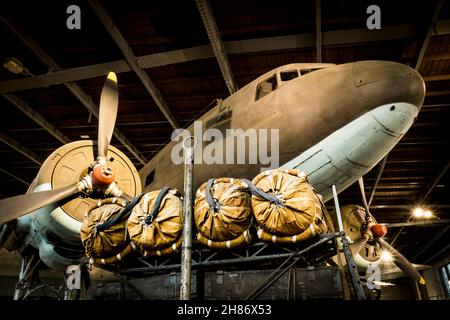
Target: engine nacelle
pixel 353 222
pixel 55 230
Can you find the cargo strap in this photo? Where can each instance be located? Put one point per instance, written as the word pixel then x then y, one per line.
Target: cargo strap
pixel 213 203
pixel 155 210
pixel 125 212
pixel 216 205
pixel 254 190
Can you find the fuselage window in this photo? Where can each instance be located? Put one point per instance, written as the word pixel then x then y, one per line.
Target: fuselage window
pixel 288 75
pixel 309 70
pixel 266 87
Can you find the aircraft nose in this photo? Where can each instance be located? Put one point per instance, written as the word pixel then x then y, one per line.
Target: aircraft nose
pixel 396 118
pixel 385 82
pixel 394 90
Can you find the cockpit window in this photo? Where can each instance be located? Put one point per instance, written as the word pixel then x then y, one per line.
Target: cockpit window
pixel 288 75
pixel 266 87
pixel 309 70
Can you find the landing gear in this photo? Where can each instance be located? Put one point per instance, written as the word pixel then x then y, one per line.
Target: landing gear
pixel 29 282
pixel 28 269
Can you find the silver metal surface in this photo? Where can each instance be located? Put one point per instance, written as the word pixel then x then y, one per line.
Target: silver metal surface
pixel 338 210
pixel 186 250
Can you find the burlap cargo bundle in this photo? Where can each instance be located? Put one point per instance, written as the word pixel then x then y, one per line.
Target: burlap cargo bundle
pixel 223 220
pixel 175 247
pixel 156 222
pixel 111 244
pixel 296 216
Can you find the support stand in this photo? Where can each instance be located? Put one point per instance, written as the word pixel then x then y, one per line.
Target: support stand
pixel 287 265
pixel 351 266
pixel 29 282
pixel 186 250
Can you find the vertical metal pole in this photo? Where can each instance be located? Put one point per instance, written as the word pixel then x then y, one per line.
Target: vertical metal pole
pixel 338 208
pixel 18 290
pixel 17 294
pixel 186 250
pixel 351 266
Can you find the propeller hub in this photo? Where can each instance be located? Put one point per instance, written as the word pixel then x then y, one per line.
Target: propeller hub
pixel 103 176
pixel 378 230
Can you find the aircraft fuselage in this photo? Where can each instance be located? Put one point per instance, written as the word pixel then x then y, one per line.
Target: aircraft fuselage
pixel 335 123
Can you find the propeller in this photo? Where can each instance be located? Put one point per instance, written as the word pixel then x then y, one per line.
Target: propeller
pixel 402 263
pixel 15 207
pixel 358 244
pixel 100 177
pixel 107 115
pixel 373 231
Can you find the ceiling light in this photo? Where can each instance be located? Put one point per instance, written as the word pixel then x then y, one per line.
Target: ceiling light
pixel 428 214
pixel 386 256
pixel 84 136
pixel 13 65
pixel 418 212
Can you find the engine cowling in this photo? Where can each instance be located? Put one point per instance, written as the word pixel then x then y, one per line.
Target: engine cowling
pixel 55 230
pixel 354 224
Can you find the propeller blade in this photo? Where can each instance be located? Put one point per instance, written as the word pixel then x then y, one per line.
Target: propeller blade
pixel 357 245
pixel 363 194
pixel 109 102
pixel 15 207
pixel 403 263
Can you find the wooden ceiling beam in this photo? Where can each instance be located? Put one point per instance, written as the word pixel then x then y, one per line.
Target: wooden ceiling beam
pixel 15 175
pixel 425 193
pixel 432 29
pixel 132 61
pixel 277 43
pixel 76 90
pixel 217 45
pixel 440 77
pixel 23 106
pixel 20 148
